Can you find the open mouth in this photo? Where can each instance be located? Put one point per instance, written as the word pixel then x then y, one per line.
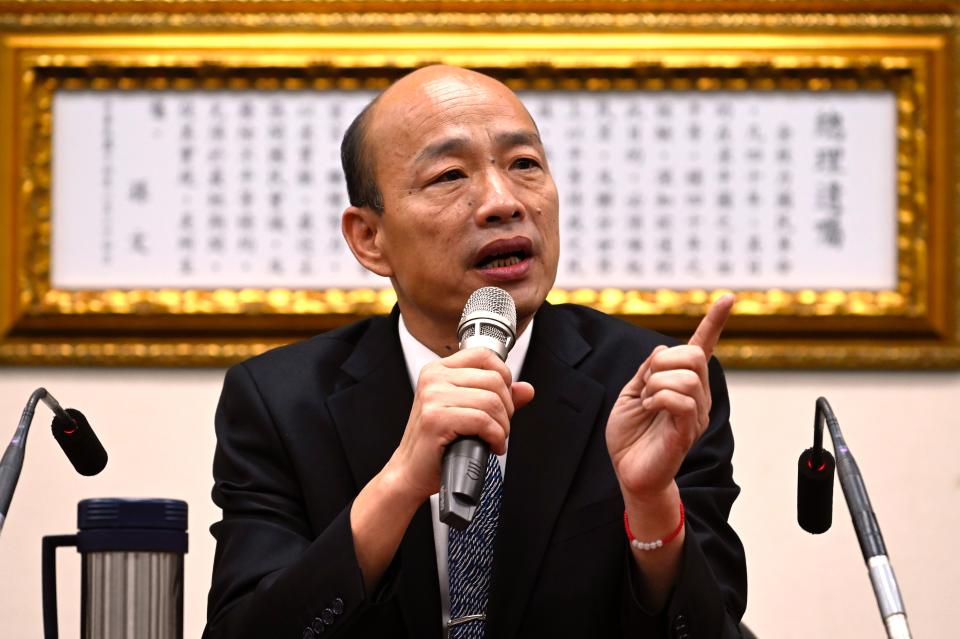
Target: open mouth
pixel 503 254
pixel 500 260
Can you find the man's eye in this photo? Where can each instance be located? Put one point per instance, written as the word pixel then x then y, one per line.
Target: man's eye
pixel 526 163
pixel 450 176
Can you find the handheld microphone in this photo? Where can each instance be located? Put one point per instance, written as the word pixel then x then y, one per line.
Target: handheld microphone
pixel 815 503
pixel 71 430
pixel 489 320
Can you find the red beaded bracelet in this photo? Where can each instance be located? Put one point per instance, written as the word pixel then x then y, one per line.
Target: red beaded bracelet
pixel 652 545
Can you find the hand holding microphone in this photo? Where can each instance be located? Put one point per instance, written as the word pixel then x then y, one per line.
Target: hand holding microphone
pixel 462 409
pixel 489 321
pixel 468 394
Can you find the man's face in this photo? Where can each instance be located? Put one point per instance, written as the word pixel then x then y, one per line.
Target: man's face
pixel 468 197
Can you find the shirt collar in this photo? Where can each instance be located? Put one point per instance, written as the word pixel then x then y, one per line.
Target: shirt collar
pixel 416 355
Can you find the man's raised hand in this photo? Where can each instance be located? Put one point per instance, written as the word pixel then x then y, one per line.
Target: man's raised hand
pixel 663 410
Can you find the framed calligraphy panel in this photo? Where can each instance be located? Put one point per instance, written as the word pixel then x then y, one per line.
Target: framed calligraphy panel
pixel 176 195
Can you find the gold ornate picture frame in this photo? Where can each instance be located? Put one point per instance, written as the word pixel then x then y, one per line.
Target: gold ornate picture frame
pixel 912 55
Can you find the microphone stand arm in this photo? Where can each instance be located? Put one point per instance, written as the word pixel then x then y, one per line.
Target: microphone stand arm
pixel 12 462
pixel 865 524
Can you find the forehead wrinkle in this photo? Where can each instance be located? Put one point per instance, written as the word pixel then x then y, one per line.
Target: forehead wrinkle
pixel 421 112
pixel 453 110
pixel 450 98
pixel 434 119
pixel 441 89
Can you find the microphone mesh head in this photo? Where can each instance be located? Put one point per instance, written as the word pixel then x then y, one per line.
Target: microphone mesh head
pixel 491 299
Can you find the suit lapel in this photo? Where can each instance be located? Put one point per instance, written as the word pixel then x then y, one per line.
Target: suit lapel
pixel 370 415
pixel 547 440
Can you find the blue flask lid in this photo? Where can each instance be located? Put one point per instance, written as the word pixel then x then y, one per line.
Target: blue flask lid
pixel 118 524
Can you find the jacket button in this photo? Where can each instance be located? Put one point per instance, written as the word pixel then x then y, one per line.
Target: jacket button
pixel 337 606
pixel 327 616
pixel 317 626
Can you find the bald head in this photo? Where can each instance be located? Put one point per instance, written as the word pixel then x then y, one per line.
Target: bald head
pixel 435 85
pixel 396 107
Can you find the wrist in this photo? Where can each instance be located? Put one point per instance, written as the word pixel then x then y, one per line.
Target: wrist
pixel 395 488
pixel 666 497
pixel 654 544
pixel 653 515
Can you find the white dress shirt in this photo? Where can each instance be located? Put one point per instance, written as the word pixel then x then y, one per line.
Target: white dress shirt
pixel 416 356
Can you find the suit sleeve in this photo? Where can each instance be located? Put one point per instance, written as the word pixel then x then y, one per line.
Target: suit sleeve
pixel 710 595
pixel 273 575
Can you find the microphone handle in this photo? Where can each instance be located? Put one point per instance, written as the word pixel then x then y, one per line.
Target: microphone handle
pixel 461 482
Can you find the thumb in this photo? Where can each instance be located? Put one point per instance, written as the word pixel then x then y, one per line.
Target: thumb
pixel 522 393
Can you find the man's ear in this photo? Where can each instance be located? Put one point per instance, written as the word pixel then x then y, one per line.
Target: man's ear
pixel 361 227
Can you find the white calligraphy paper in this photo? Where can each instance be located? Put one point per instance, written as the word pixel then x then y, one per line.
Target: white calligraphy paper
pixel 238 189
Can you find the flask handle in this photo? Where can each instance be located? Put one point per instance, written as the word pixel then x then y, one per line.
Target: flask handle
pixel 48 566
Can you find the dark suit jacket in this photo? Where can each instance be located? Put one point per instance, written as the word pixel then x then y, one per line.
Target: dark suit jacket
pixel 301 429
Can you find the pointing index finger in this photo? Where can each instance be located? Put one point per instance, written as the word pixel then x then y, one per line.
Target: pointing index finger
pixel 708 332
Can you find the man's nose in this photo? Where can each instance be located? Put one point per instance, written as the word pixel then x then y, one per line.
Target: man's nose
pixel 498 201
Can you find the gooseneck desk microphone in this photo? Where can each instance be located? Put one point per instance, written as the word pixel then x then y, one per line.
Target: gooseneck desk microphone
pixel 815 503
pixel 70 429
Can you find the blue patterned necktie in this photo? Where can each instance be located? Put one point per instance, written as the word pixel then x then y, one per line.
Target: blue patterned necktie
pixel 470 557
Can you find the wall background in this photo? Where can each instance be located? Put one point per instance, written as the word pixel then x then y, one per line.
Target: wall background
pixel 902 427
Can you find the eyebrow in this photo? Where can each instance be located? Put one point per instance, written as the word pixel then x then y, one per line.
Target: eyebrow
pixel 441 148
pixel 453 145
pixel 518 138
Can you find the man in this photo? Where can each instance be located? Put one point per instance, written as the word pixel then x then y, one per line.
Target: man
pixel 329 450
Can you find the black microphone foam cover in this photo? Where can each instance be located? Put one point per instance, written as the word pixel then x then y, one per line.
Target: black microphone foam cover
pixel 815 492
pixel 80 443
